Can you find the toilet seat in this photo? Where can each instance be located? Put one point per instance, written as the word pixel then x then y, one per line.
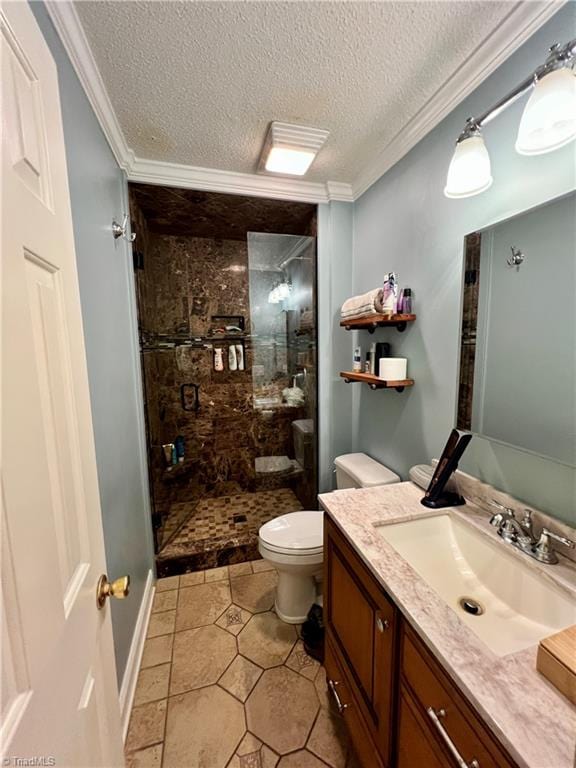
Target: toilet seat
pixel 296 534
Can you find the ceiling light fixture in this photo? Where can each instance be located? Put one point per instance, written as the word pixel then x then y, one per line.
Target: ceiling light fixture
pixel 548 122
pixel 290 149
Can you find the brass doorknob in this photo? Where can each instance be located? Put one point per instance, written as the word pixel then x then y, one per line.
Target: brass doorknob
pixel 119 588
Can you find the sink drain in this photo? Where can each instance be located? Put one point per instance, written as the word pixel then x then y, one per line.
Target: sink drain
pixel 471 606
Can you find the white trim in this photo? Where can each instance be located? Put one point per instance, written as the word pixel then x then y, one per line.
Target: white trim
pixel 128 687
pixel 214 180
pixel 522 21
pixel 71 32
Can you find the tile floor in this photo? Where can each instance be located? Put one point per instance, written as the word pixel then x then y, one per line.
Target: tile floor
pixel 225 684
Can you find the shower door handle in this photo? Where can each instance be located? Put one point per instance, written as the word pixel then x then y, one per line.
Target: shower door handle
pixel 196 405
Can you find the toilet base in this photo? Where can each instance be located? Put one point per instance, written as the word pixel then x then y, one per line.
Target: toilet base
pixel 296 593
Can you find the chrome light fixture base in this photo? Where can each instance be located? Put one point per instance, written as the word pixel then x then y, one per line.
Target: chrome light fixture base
pixel 548 121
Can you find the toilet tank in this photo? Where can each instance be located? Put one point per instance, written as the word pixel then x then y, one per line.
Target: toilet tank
pixel 303 435
pixel 358 470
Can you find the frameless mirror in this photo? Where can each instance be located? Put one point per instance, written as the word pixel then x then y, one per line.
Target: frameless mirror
pixel 518 335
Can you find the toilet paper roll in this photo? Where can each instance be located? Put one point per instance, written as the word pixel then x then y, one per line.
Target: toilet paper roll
pixel 392 368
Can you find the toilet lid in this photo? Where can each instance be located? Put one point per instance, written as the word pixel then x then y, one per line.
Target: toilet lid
pixel 298 532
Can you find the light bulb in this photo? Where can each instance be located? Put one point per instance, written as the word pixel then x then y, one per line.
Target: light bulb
pixel 469 172
pixel 549 118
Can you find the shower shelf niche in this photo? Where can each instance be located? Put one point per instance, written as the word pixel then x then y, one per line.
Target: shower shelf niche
pixel 374 382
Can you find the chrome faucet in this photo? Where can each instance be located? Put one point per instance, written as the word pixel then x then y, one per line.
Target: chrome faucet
pixel 520 534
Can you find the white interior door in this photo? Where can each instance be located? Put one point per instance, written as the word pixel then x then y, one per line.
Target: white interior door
pixel 59 696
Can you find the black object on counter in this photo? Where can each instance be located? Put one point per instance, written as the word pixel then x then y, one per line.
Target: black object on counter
pixel 436 496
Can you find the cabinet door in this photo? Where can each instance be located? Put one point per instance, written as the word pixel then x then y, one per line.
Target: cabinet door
pixel 416 747
pixel 361 622
pixel 351 618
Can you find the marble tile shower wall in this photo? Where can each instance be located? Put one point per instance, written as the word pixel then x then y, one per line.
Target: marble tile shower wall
pixel 185 282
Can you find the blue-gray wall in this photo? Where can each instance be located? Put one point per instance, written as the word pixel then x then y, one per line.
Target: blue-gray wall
pixel 335 398
pixel 98 194
pixel 404 223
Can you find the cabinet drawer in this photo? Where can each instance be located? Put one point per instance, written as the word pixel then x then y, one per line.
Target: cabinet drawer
pixel 417 747
pixel 448 714
pixel 341 692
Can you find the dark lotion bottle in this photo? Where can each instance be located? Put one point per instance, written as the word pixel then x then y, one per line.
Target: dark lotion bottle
pixel 435 496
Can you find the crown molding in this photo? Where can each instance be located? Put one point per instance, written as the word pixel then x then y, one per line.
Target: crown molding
pixel 522 21
pixel 214 180
pixel 71 33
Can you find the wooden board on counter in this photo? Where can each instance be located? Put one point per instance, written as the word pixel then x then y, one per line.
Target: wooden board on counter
pixel 556 660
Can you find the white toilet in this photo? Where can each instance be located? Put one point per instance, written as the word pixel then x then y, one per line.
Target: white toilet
pixel 294 543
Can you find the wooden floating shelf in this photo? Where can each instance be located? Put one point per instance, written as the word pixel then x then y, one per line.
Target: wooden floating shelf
pixel 374 382
pixel 371 322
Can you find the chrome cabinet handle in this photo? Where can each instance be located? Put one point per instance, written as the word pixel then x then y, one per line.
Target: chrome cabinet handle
pixel 332 685
pixel 435 717
pixel 382 625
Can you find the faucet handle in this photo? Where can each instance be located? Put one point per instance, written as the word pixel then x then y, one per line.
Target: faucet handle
pixel 544 552
pixel 504 513
pixel 501 507
pixel 561 539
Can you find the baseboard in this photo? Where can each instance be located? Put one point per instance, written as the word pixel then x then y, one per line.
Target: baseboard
pixel 130 678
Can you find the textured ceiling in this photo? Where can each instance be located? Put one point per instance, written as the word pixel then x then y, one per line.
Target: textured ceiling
pixel 171 211
pixel 198 82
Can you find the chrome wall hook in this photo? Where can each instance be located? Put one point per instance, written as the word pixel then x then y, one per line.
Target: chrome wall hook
pixel 121 230
pixel 517 257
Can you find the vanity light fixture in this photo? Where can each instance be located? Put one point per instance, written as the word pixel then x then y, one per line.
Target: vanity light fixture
pixel 289 149
pixel 548 122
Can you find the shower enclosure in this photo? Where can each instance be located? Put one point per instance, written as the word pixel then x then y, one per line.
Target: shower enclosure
pixel 228 343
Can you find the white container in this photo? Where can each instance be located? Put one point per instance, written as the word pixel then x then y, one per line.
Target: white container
pixel 392 368
pixel 357 470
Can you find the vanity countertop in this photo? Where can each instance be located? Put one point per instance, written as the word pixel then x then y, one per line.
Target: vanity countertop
pixel 527 714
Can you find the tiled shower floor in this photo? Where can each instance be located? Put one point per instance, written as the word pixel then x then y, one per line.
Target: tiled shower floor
pixel 225 684
pixel 223 530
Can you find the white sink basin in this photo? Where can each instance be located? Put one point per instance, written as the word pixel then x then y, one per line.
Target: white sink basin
pixel 458 561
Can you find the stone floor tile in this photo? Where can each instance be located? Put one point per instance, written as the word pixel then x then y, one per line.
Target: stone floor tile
pixel 255 592
pixel 151 757
pixel 253 754
pixel 301 759
pixel 146 725
pixel 266 640
pixel 192 579
pixel 262 565
pixel 239 569
pixel 216 574
pixel 240 677
pixel 199 658
pixel 281 709
pixel 301 662
pixel 202 604
pixel 328 739
pixel 157 650
pixel 233 619
pixel 161 623
pixel 203 729
pixel 170 582
pixel 322 689
pixel 152 684
pixel 165 601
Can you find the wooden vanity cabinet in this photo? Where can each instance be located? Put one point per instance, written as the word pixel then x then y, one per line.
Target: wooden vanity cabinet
pixel 400 707
pixel 361 627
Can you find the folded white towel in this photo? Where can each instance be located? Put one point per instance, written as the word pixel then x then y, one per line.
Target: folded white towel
pixel 359 306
